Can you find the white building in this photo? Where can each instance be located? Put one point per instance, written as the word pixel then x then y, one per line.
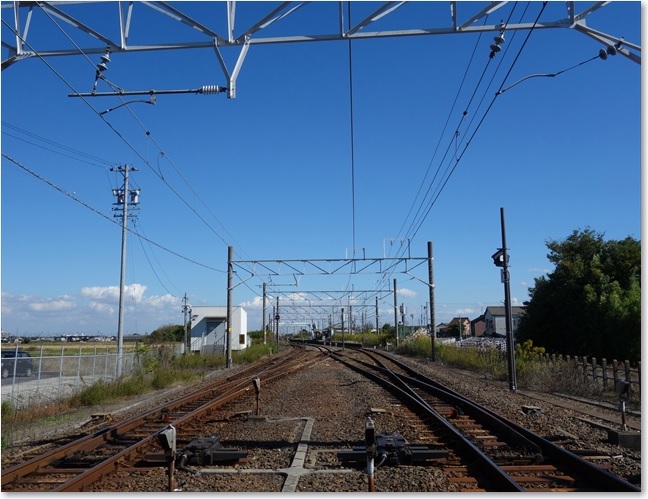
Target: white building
pixel 495 318
pixel 209 331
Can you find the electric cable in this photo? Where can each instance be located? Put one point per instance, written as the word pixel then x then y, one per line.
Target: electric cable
pixel 83 157
pixel 137 153
pixel 481 121
pixel 137 223
pixel 147 132
pixel 83 203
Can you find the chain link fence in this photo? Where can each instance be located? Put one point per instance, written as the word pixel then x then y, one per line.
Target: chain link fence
pixel 34 376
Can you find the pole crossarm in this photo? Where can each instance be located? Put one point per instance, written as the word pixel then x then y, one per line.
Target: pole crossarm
pixel 141 18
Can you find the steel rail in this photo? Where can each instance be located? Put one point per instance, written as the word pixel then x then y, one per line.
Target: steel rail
pixel 594 475
pixel 208 399
pixel 468 406
pixel 500 480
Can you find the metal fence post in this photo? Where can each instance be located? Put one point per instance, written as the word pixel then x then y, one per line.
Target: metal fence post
pixel 61 370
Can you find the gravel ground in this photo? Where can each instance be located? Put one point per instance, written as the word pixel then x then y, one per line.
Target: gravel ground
pixel 337 401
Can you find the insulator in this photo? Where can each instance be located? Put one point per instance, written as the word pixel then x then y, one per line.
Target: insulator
pixel 499 39
pixel 603 54
pixel 495 48
pixel 211 89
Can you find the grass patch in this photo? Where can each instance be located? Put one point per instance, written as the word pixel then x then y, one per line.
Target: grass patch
pixel 530 371
pixel 159 368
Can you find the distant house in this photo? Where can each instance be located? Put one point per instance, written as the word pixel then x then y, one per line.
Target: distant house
pixel 209 329
pixel 495 319
pixel 454 327
pixel 478 326
pixel 441 329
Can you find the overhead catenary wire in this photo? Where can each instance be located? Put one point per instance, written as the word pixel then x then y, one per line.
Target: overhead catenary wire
pixel 479 124
pixel 455 133
pixel 121 137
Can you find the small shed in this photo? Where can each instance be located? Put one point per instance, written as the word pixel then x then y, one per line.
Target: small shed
pixel 209 329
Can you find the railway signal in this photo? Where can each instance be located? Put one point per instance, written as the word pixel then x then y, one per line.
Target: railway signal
pixel 167 438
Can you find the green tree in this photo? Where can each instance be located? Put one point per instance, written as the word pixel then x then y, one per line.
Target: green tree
pixel 167 333
pixel 591 303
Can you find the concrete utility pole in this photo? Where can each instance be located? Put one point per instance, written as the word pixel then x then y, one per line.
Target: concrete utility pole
pixel 124 199
pixel 431 287
pixel 263 326
pixel 395 312
pixel 230 278
pixel 277 323
pixel 500 259
pixel 377 318
pixel 186 309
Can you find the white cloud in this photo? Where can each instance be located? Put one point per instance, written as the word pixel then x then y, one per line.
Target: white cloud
pixel 94 311
pixel 101 308
pixel 255 303
pixel 407 293
pixel 134 292
pixel 52 304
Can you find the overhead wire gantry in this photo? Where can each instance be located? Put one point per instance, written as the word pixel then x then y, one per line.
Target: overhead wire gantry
pixel 459 18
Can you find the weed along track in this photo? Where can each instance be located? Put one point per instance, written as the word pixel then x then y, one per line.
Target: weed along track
pixel 331 419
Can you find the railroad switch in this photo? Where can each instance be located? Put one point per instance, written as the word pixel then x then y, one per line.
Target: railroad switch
pixel 391 449
pixel 207 451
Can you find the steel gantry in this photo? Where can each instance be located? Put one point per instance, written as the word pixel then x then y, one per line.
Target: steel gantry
pixel 299 302
pixel 109 27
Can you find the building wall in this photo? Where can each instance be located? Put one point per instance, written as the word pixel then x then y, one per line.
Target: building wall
pixel 204 334
pixel 478 327
pixel 496 320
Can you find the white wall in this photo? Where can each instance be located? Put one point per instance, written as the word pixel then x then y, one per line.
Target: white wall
pixel 201 337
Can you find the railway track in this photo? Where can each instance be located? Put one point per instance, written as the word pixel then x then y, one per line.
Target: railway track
pixel 86 460
pixel 487 452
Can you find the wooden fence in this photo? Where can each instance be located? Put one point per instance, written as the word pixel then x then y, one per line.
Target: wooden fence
pixel 604 374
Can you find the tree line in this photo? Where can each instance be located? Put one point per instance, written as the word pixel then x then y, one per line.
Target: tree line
pixel 590 304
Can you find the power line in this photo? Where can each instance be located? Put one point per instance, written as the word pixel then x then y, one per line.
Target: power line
pixel 148 133
pixel 84 157
pixel 74 198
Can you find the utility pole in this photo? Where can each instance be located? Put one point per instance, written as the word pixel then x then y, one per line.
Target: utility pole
pixel 277 323
pixel 342 319
pixel 500 259
pixel 263 326
pixel 431 289
pixel 377 318
pixel 124 199
pixel 186 309
pixel 395 313
pixel 230 279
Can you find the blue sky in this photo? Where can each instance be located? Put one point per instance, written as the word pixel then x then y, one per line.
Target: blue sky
pixel 290 170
